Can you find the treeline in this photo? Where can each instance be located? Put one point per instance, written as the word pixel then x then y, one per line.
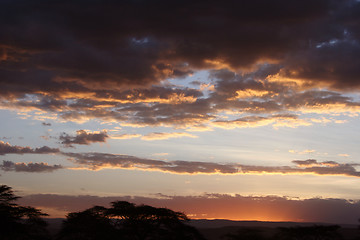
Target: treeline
pixel 124 220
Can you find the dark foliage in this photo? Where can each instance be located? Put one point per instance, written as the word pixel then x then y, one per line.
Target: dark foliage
pixel 125 220
pixel 19 222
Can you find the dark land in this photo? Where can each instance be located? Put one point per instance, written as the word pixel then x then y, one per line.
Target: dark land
pixel 215 229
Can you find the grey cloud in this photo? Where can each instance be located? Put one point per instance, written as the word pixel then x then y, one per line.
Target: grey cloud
pixel 318 64
pixel 100 160
pixel 83 138
pixel 6 148
pixel 95 161
pixel 28 167
pixel 139 43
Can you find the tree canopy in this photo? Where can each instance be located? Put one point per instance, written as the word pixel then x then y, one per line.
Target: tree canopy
pixel 19 222
pixel 127 221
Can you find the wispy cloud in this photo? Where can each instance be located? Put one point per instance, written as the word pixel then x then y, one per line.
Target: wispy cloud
pixel 124 136
pixel 98 161
pixel 164 135
pixel 306 151
pixel 6 148
pixel 28 167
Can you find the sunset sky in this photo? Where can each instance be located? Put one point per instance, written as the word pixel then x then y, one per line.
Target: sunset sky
pixel 244 110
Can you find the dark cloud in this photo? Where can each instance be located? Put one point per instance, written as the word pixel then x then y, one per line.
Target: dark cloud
pixel 83 138
pixel 46 124
pixel 335 63
pixel 108 60
pixel 6 148
pixel 96 161
pixel 70 45
pixel 217 206
pixel 28 167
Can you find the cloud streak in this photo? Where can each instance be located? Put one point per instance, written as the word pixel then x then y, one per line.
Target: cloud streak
pixel 98 161
pixel 9 166
pixel 6 148
pixel 163 136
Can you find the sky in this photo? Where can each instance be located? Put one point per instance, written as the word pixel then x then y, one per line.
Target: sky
pixel 242 110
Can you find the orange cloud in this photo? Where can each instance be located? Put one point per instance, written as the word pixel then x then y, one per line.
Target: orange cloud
pixel 164 135
pixel 258 121
pixel 124 136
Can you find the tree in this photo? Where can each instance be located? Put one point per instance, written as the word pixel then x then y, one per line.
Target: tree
pixel 20 222
pixel 126 220
pixel 91 224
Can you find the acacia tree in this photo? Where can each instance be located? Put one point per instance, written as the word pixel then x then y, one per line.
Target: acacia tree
pixel 91 224
pixel 126 220
pixel 20 222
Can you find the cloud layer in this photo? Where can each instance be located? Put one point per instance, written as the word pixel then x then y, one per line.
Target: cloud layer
pixel 97 161
pixel 62 46
pixel 285 58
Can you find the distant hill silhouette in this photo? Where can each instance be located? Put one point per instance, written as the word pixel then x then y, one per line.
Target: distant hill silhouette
pixel 216 223
pixel 215 229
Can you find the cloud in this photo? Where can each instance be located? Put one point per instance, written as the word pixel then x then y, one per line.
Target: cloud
pixel 160 154
pixel 73 53
pixel 124 136
pixel 216 206
pixel 28 167
pixel 292 58
pixel 83 138
pixel 46 124
pixel 163 136
pixel 343 155
pixel 6 148
pixel 306 151
pixel 98 161
pixel 239 99
pixel 314 163
pixel 258 121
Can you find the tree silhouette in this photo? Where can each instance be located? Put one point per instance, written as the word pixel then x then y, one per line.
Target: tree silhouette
pixel 127 221
pixel 91 224
pixel 309 233
pixel 19 222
